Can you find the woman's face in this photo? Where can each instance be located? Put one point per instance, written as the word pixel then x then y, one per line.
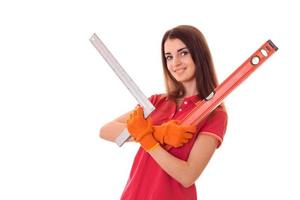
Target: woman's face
pixel 179 60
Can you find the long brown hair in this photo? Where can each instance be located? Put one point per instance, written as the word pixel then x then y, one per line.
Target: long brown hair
pixel 195 41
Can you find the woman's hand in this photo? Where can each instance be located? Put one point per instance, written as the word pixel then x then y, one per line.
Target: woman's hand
pixel 141 129
pixel 173 133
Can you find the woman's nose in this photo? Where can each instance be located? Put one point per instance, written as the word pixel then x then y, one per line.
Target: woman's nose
pixel 176 61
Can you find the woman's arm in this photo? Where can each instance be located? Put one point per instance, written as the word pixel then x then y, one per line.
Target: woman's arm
pixel 187 172
pixel 113 129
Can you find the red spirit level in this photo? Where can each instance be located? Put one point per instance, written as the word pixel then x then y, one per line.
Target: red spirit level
pixel 207 105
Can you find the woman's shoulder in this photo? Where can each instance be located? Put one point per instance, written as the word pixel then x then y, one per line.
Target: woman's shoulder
pixel 221 108
pixel 219 114
pixel 155 98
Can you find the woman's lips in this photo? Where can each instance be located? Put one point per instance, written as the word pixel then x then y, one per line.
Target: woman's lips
pixel 180 70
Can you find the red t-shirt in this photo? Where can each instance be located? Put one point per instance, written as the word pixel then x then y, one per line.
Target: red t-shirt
pixel 147 180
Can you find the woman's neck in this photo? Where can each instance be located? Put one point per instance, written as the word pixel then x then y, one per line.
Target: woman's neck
pixel 190 89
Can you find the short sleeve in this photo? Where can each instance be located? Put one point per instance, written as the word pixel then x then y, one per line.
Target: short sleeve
pixel 215 125
pixel 154 99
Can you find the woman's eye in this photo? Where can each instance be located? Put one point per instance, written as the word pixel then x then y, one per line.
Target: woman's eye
pixel 169 57
pixel 183 53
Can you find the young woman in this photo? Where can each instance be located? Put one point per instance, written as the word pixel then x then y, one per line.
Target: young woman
pixel 172 155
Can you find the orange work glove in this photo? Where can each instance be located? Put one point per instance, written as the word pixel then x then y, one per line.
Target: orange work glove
pixel 173 133
pixel 141 129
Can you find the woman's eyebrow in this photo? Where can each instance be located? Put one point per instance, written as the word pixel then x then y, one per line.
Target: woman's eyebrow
pixel 183 48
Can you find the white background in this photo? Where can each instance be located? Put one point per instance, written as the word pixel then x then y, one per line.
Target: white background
pixel 56 92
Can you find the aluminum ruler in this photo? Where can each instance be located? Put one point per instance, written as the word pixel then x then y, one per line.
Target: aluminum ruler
pixel 127 81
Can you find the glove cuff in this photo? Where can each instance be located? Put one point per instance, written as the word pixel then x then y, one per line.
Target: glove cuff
pixel 148 142
pixel 158 134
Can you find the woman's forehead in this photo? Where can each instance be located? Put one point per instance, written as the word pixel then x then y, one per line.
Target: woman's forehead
pixel 172 45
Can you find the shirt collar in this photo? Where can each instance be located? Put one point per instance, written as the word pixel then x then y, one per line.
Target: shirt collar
pixel 194 99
